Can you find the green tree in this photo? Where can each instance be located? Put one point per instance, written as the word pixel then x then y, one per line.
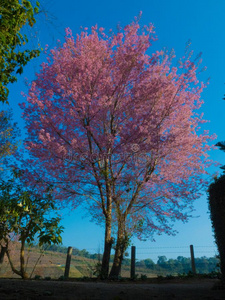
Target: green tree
pixel 9 133
pixel 140 264
pixel 149 263
pixel 216 198
pixel 202 265
pixel 23 212
pixel 14 15
pixel 162 260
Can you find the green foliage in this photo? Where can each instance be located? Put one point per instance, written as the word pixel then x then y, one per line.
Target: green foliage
pixel 169 277
pixel 180 265
pixel 148 263
pixel 216 198
pixel 23 213
pixel 143 277
pixel 75 252
pixel 9 133
pixel 212 275
pixel 14 15
pixel 47 278
pixel 97 270
pixel 162 260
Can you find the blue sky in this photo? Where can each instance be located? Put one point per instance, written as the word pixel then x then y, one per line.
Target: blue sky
pixel 175 23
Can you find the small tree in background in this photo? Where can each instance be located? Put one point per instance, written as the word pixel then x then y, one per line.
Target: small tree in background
pixel 24 213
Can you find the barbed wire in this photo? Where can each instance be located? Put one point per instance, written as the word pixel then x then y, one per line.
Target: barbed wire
pixel 187 252
pixel 180 265
pixel 163 247
pixel 151 248
pixel 170 247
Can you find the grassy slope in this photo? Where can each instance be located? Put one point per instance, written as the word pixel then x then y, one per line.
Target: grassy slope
pixel 52 264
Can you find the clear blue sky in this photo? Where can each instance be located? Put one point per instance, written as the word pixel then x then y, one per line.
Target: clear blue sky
pixel 175 23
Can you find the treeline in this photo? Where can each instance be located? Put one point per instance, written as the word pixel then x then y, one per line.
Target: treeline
pixel 179 265
pixel 75 252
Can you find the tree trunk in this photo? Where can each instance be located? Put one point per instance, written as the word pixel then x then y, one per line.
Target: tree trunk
pixel 107 249
pixel 121 245
pixel 11 264
pixel 22 271
pixel 24 274
pixel 2 254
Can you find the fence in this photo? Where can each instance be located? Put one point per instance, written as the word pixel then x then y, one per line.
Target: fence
pixel 151 262
pixel 134 266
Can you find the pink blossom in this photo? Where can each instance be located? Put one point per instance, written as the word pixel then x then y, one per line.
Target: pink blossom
pixel 97 100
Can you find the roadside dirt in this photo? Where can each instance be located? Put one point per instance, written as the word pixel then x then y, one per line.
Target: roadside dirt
pixel 13 289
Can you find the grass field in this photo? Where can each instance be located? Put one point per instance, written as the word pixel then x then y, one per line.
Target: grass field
pixel 48 264
pixel 52 264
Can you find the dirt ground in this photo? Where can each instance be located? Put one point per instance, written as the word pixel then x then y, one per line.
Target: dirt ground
pixel 14 289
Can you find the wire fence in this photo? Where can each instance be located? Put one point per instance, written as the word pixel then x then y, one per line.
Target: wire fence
pixel 174 260
pixel 149 261
pixel 173 252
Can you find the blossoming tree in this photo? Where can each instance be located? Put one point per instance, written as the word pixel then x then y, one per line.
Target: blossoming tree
pixel 116 129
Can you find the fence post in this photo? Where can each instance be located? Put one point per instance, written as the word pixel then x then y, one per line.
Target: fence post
pixel 68 259
pixel 132 269
pixel 192 259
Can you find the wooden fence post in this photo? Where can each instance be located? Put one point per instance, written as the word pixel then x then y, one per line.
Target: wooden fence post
pixel 68 259
pixel 192 259
pixel 132 269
